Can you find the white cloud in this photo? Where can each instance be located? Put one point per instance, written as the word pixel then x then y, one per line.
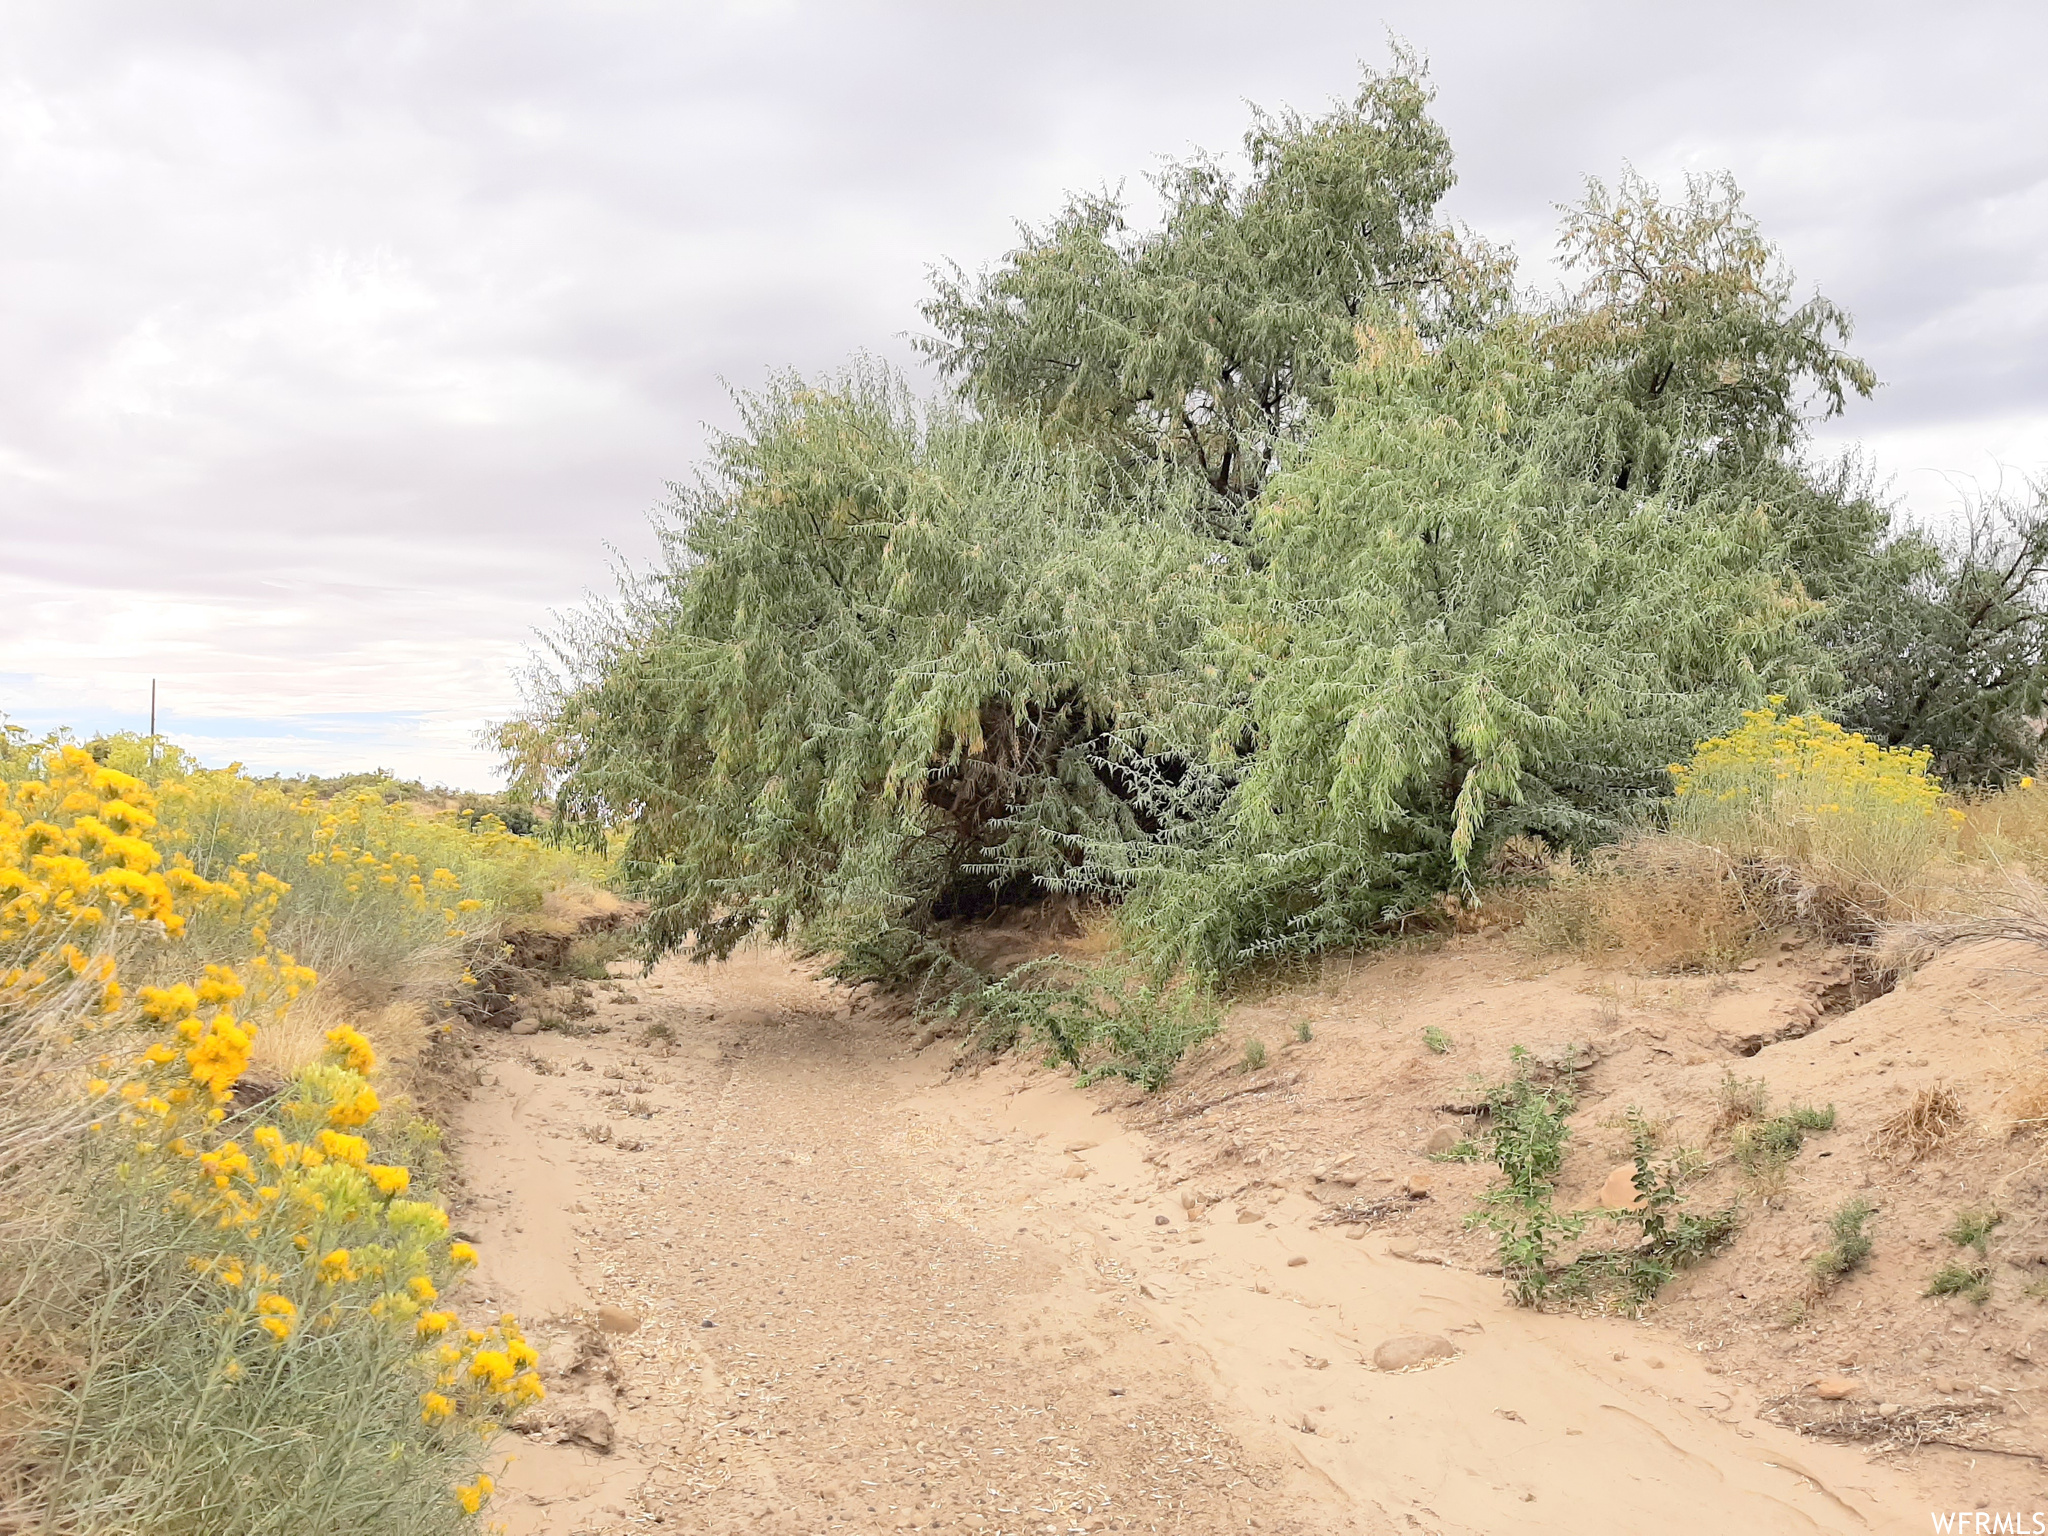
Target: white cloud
pixel 342 339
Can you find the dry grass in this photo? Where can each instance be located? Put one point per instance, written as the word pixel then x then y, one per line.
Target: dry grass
pixel 2025 1105
pixel 1664 903
pixel 398 1029
pixel 2010 827
pixel 2009 904
pixel 572 908
pixel 1696 898
pixel 1932 1118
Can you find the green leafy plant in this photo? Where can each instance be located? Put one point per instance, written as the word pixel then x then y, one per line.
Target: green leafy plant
pixel 1254 1058
pixel 1110 1020
pixel 1970 1281
pixel 1848 1245
pixel 1304 1032
pixel 1525 1136
pixel 1436 1041
pixel 1972 1228
pixel 1667 1237
pixel 1779 1138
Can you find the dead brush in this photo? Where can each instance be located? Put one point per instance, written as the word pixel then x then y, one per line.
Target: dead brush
pixel 1666 903
pixel 1899 1429
pixel 2026 1105
pixel 1932 1118
pixel 2013 907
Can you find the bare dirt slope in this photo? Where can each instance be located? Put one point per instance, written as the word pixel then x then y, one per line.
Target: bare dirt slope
pixel 872 1295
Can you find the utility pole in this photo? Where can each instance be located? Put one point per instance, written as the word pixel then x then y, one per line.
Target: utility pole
pixel 152 720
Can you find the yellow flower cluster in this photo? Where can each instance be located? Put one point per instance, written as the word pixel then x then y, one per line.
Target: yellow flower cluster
pixel 1866 820
pixel 310 1228
pixel 1813 762
pixel 303 1230
pixel 77 868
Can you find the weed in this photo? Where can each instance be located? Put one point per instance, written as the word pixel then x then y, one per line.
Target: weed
pixel 1848 1244
pixel 1972 1228
pixel 600 1134
pixel 640 1108
pixel 1254 1057
pixel 1110 1020
pixel 1465 1151
pixel 1972 1281
pixel 1668 1237
pixel 589 959
pixel 1742 1098
pixel 1526 1133
pixel 1436 1040
pixel 1780 1138
pixel 1764 1144
pixel 1304 1031
pixel 541 1064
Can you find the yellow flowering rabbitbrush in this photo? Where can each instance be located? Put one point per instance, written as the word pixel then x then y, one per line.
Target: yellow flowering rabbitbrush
pixel 1860 817
pixel 300 1238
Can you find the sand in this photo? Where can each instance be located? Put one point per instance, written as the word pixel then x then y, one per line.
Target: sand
pixel 870 1292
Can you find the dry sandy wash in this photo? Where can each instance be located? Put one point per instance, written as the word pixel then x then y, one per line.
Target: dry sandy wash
pixel 790 1278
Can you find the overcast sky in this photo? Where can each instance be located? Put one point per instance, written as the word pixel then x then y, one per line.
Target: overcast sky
pixel 342 339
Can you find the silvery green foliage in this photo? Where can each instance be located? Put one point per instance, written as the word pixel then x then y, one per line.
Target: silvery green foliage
pixel 1459 626
pixel 1211 340
pixel 881 673
pixel 1268 567
pixel 1944 639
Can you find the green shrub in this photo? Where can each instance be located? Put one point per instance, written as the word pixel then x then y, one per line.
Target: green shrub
pixel 1525 1137
pixel 1436 1041
pixel 1972 1228
pixel 1848 1243
pixel 1972 1281
pixel 1667 1237
pixel 1112 1020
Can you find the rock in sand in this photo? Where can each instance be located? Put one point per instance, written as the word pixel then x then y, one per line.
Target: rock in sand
pixel 1619 1193
pixel 1411 1349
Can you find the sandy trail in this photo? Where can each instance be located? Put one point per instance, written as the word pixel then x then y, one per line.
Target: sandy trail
pixel 871 1298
